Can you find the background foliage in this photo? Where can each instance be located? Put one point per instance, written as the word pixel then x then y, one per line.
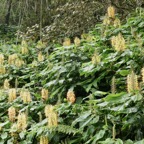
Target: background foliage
pixel 62 18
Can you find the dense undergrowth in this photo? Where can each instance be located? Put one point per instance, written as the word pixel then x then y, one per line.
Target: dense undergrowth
pixel 86 92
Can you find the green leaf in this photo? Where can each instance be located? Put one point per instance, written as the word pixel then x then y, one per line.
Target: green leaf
pixel 39 131
pixel 3 124
pixel 4 135
pixel 82 117
pixel 129 142
pixel 116 98
pixel 137 97
pixel 10 141
pixel 98 136
pixel 2 142
pixel 107 141
pixel 22 134
pixel 124 72
pixel 99 93
pixel 119 141
pixel 139 142
pixel 87 121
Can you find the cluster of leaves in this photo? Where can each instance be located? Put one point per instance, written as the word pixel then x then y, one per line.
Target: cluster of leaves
pixel 98 116
pixel 7 33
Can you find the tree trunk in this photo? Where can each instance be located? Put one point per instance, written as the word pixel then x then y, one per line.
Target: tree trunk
pixel 7 17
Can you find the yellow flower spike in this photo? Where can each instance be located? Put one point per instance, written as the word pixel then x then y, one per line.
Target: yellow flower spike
pixel 89 38
pixel 12 114
pixel 77 41
pixel 52 119
pixel 51 116
pixel 24 50
pixel 43 140
pixel 44 94
pixel 67 42
pixel 113 41
pixel 142 73
pixel 129 84
pixel 118 42
pixel 1 59
pixel 34 63
pixel 84 36
pixel 25 96
pixel 2 69
pixel 132 82
pixel 12 58
pixel 113 85
pixel 12 94
pixel 111 12
pixel 0 128
pixel 24 43
pixel 96 59
pixel 40 44
pixel 40 56
pixel 106 20
pixel 117 22
pixel 71 96
pixel 19 62
pixel 48 109
pixel 6 84
pixel 22 121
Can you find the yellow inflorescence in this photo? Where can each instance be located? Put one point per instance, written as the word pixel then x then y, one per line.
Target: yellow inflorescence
pixel 44 94
pixel 118 42
pixel 71 96
pixel 48 109
pixel 19 62
pixel 0 128
pixel 83 36
pixel 117 22
pixel 24 43
pixel 12 58
pixel 113 85
pixel 51 116
pixel 67 42
pixel 1 59
pixel 15 60
pixel 110 18
pixel 34 63
pixel 132 82
pixel 40 56
pixel 113 41
pixel 77 41
pixel 12 94
pixel 24 49
pixel 52 119
pixel 111 12
pixel 12 114
pixel 43 140
pixel 2 69
pixel 40 44
pixel 142 72
pixel 89 38
pixel 6 84
pixel 106 21
pixel 96 59
pixel 25 95
pixel 22 121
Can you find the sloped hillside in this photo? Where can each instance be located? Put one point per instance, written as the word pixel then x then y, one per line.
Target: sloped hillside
pixel 87 91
